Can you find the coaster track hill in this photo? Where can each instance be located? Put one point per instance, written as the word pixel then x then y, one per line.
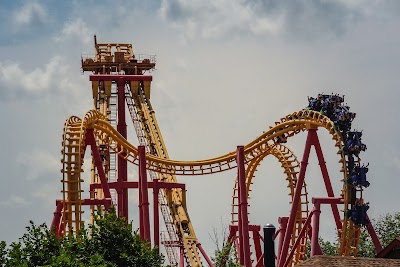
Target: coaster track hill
pixel 120 80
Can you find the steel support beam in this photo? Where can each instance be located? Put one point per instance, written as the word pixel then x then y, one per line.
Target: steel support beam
pixel 182 256
pixel 209 262
pixel 143 191
pixel 122 163
pixel 327 180
pixel 301 235
pixel 243 216
pixel 296 200
pixel 282 230
pixel 374 236
pixel 55 224
pixel 156 215
pixel 315 229
pixel 99 164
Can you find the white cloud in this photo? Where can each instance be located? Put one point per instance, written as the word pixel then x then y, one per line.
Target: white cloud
pixel 37 81
pixel 266 25
pixel 38 163
pixel 76 29
pixel 215 19
pixel 54 79
pixel 223 18
pixel 14 201
pixel 31 13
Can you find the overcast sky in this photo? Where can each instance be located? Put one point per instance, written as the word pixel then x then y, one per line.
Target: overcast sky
pixel 226 70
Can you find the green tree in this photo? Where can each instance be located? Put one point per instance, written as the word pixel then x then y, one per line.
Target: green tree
pixel 226 257
pixel 225 254
pixel 110 242
pixel 3 253
pixel 387 228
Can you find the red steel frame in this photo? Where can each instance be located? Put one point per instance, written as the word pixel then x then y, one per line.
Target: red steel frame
pixel 312 140
pixel 311 224
pixel 243 245
pixel 122 129
pixel 122 163
pixel 122 185
pixel 244 250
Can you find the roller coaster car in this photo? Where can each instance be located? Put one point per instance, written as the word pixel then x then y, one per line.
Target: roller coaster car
pixel 103 150
pixel 325 103
pixel 353 143
pixel 331 105
pixel 358 214
pixel 323 97
pixel 337 99
pixel 281 139
pixel 333 99
pixel 343 126
pixel 359 176
pixel 314 104
pixel 342 113
pixel 326 110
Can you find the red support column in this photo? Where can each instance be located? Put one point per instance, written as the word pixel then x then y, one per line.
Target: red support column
pixel 239 241
pixel 156 215
pixel 244 230
pixel 260 261
pixel 55 224
pixel 317 201
pixel 318 248
pixel 237 245
pixel 143 191
pixel 182 258
pixel 327 180
pixel 232 233
pixel 296 200
pixel 315 229
pixel 300 236
pixel 209 262
pixel 282 230
pixel 257 244
pixel 374 237
pixel 122 163
pixel 99 164
pixel 140 206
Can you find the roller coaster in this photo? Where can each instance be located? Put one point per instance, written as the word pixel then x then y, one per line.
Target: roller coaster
pixel 119 81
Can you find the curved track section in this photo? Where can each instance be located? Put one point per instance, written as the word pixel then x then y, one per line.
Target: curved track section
pixel 288 126
pixel 73 141
pixel 291 167
pixel 300 121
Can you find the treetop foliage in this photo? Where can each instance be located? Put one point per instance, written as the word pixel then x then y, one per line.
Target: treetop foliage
pixel 387 228
pixel 110 242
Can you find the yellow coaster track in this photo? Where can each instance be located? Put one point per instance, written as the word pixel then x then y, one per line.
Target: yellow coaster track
pixel 176 204
pixel 254 151
pixel 291 167
pixel 119 59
